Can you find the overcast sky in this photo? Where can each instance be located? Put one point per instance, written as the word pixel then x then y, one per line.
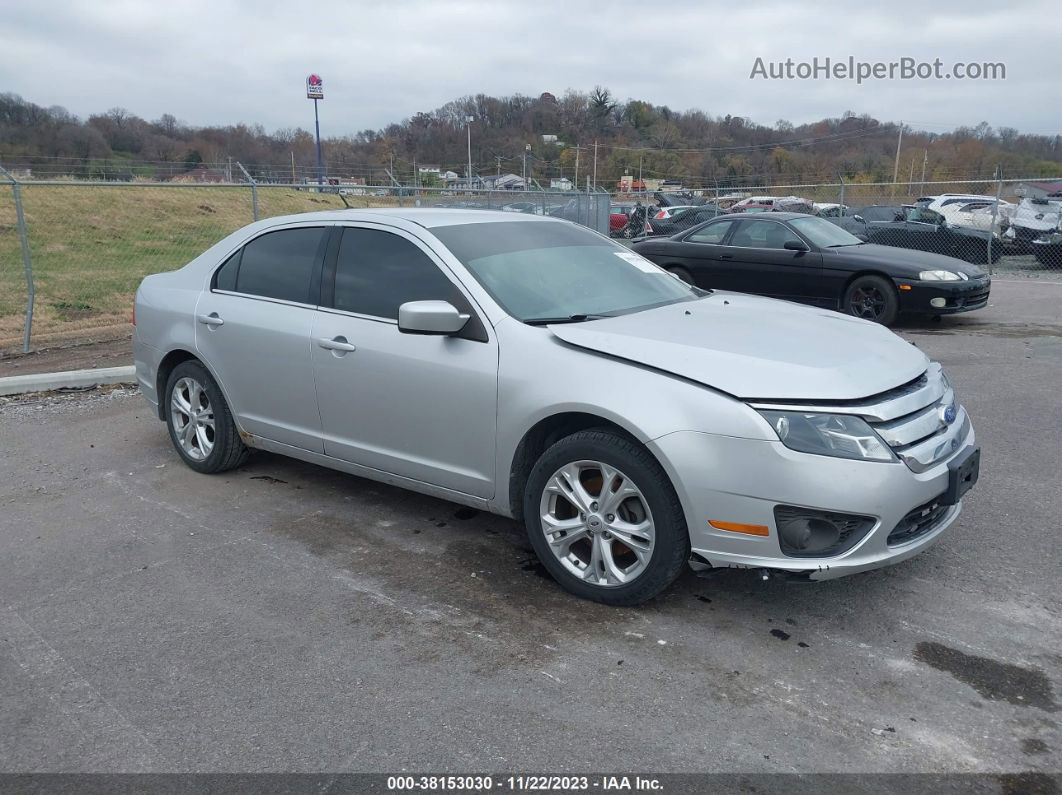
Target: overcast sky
pixel 224 61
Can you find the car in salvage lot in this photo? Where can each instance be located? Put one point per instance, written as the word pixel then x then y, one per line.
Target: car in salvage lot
pixel 909 226
pixel 810 260
pixel 536 369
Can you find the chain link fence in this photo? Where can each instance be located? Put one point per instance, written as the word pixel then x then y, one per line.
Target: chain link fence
pixel 90 244
pixel 1009 227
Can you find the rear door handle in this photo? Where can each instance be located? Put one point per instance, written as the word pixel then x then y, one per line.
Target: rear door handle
pixel 726 256
pixel 211 320
pixel 336 344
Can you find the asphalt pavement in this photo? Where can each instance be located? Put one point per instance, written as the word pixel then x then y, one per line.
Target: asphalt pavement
pixel 285 617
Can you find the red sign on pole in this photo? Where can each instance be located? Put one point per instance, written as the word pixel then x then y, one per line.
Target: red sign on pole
pixel 314 87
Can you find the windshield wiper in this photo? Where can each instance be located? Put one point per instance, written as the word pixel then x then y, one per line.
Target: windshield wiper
pixel 548 321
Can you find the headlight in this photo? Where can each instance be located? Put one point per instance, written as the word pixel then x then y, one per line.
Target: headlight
pixel 939 276
pixel 838 435
pixel 1052 238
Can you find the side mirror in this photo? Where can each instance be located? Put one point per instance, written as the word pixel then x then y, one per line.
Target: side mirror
pixel 859 218
pixel 430 317
pixel 795 245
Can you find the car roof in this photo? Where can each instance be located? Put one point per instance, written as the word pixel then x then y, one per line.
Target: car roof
pixel 765 216
pixel 427 217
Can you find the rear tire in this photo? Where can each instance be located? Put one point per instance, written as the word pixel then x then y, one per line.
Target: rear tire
pixel 199 421
pixel 628 542
pixel 682 273
pixel 871 298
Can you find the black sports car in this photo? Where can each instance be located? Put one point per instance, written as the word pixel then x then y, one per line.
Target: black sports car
pixel 803 258
pixel 919 228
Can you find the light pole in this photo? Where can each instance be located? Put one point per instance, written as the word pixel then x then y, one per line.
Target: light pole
pixel 468 126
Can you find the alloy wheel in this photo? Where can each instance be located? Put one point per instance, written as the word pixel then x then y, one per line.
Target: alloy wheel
pixel 192 418
pixel 597 523
pixel 867 302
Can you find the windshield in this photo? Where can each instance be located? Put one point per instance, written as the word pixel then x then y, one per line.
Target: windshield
pixel 824 234
pixel 556 270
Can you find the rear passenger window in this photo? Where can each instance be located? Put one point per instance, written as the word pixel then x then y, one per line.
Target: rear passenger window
pixel 226 276
pixel 279 265
pixel 378 271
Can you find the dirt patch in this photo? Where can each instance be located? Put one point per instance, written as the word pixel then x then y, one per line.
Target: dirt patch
pixel 996 681
pixel 109 353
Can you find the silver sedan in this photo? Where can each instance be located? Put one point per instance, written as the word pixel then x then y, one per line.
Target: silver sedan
pixel 533 368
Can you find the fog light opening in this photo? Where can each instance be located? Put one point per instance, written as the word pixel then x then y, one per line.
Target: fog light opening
pixel 808 534
pixel 938 303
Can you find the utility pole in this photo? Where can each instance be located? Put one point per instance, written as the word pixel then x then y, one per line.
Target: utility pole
pixel 499 159
pixel 595 165
pixel 641 185
pixel 292 168
pixel 575 181
pixel 468 126
pixel 896 166
pixel 925 159
pixel 527 148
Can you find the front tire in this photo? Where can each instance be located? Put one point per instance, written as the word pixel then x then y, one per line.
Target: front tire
pixel 604 519
pixel 199 420
pixel 871 298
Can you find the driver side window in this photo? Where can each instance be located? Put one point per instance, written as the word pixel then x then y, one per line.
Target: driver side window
pixel 763 234
pixel 713 233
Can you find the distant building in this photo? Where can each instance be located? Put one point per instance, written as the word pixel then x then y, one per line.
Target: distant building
pixel 503 182
pixel 549 139
pixel 425 169
pixel 562 183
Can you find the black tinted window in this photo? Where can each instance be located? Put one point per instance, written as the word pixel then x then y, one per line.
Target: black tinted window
pixel 884 215
pixel 280 264
pixel 713 233
pixel 763 234
pixel 226 276
pixel 378 271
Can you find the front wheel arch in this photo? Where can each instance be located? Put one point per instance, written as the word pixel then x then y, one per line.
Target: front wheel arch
pixel 544 434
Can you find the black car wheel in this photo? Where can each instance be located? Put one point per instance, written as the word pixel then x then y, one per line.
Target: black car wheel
pixel 681 273
pixel 871 298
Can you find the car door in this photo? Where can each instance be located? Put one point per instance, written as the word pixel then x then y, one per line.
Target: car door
pixel 925 231
pixel 253 330
pixel 700 252
pixel 886 226
pixel 759 262
pixel 419 406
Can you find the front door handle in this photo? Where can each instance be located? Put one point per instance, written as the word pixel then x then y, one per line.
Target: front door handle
pixel 211 320
pixel 336 344
pixel 726 256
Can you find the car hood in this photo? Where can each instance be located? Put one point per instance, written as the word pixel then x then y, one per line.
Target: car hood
pixel 753 347
pixel 904 262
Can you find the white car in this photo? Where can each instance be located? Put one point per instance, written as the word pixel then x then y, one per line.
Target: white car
pixel 978 214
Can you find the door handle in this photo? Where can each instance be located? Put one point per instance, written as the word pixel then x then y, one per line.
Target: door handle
pixel 336 344
pixel 211 320
pixel 726 256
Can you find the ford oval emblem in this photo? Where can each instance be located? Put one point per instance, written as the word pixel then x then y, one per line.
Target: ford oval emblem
pixel 949 414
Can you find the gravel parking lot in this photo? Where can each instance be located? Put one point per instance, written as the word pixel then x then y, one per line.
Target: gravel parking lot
pixel 284 617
